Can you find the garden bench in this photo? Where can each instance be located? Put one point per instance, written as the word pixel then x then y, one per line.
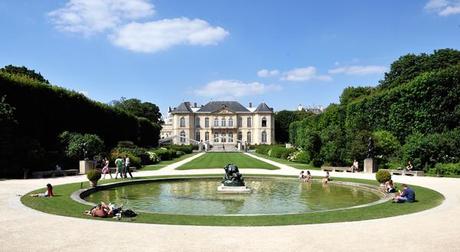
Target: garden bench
pixel 404 172
pixel 336 169
pixel 54 173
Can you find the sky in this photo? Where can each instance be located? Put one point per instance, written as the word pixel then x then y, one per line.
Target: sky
pixel 284 53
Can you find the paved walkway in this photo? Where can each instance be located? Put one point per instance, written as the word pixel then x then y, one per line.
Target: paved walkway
pixel 24 229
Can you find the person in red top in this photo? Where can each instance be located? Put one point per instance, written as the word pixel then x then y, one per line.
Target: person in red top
pixel 49 190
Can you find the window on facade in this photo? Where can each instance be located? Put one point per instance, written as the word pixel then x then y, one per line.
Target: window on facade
pixel 206 136
pixel 197 122
pixel 223 122
pixel 182 137
pixel 240 136
pixel 206 122
pixel 216 137
pixel 230 122
pixel 239 121
pixel 224 137
pixel 230 137
pixel 216 122
pixel 182 122
pixel 197 136
pixel 249 122
pixel 248 137
pixel 264 122
pixel 264 137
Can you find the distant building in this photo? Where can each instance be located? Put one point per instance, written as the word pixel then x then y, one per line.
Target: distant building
pixel 313 109
pixel 219 122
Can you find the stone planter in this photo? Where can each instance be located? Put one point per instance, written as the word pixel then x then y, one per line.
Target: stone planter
pixel 93 183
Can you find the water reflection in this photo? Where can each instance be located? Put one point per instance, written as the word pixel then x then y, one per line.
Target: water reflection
pixel 269 196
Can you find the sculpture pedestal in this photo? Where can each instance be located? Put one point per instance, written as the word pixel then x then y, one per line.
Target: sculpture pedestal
pixel 370 166
pixel 233 189
pixel 86 165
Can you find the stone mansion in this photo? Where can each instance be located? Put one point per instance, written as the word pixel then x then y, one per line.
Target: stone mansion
pixel 219 123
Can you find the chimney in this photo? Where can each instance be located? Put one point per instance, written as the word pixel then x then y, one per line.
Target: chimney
pixel 194 105
pixel 250 104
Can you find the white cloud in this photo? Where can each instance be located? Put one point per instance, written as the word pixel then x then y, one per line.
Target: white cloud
pixel 264 73
pixel 444 7
pixel 159 35
pixel 358 70
pixel 92 16
pixel 304 74
pixel 234 89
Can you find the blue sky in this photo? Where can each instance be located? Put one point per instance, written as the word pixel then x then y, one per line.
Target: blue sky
pixel 168 51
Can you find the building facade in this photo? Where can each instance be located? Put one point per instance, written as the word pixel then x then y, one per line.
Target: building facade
pixel 220 123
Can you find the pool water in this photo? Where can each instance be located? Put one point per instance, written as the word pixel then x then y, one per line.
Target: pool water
pixel 269 196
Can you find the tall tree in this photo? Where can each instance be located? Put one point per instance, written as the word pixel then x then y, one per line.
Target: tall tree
pixel 138 108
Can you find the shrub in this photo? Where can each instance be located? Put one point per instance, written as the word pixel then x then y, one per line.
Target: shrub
pixel 187 149
pixel 277 151
pixel 165 154
pixel 300 156
pixel 153 157
pixel 93 175
pixel 448 169
pixel 262 149
pixel 317 162
pixel 120 152
pixel 382 176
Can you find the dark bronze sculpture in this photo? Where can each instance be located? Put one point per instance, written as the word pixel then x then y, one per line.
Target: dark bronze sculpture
pixel 370 148
pixel 232 176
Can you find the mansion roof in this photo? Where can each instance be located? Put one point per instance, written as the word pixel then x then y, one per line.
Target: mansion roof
pixel 215 106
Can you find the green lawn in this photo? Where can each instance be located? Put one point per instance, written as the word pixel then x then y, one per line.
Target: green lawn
pixel 63 205
pixel 296 165
pixel 166 162
pixel 220 159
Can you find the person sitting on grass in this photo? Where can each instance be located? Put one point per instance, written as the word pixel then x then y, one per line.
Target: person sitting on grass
pixel 48 193
pixel 307 177
pixel 390 187
pixel 407 195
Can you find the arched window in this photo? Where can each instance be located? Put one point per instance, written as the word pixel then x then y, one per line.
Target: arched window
pixel 249 122
pixel 230 122
pixel 206 136
pixel 206 122
pixel 197 122
pixel 216 122
pixel 182 122
pixel 197 136
pixel 223 122
pixel 264 122
pixel 248 137
pixel 264 136
pixel 182 136
pixel 240 136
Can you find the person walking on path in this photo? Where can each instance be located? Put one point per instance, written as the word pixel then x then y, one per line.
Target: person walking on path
pixel 119 163
pixel 127 170
pixel 105 168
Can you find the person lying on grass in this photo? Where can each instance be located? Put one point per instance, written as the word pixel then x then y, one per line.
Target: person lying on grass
pixel 48 193
pixel 104 210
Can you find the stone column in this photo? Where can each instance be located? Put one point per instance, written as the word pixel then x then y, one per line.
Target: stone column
pixel 370 166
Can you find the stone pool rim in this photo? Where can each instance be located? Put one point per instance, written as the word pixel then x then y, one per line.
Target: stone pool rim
pixel 79 195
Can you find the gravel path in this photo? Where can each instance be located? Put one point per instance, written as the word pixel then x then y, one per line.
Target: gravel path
pixel 24 229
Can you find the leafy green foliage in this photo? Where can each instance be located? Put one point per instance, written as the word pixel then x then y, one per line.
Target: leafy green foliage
pixel 24 71
pixel 93 175
pixel 81 146
pixel 382 176
pixel 419 99
pixel 135 107
pixel 449 169
pixel 282 121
